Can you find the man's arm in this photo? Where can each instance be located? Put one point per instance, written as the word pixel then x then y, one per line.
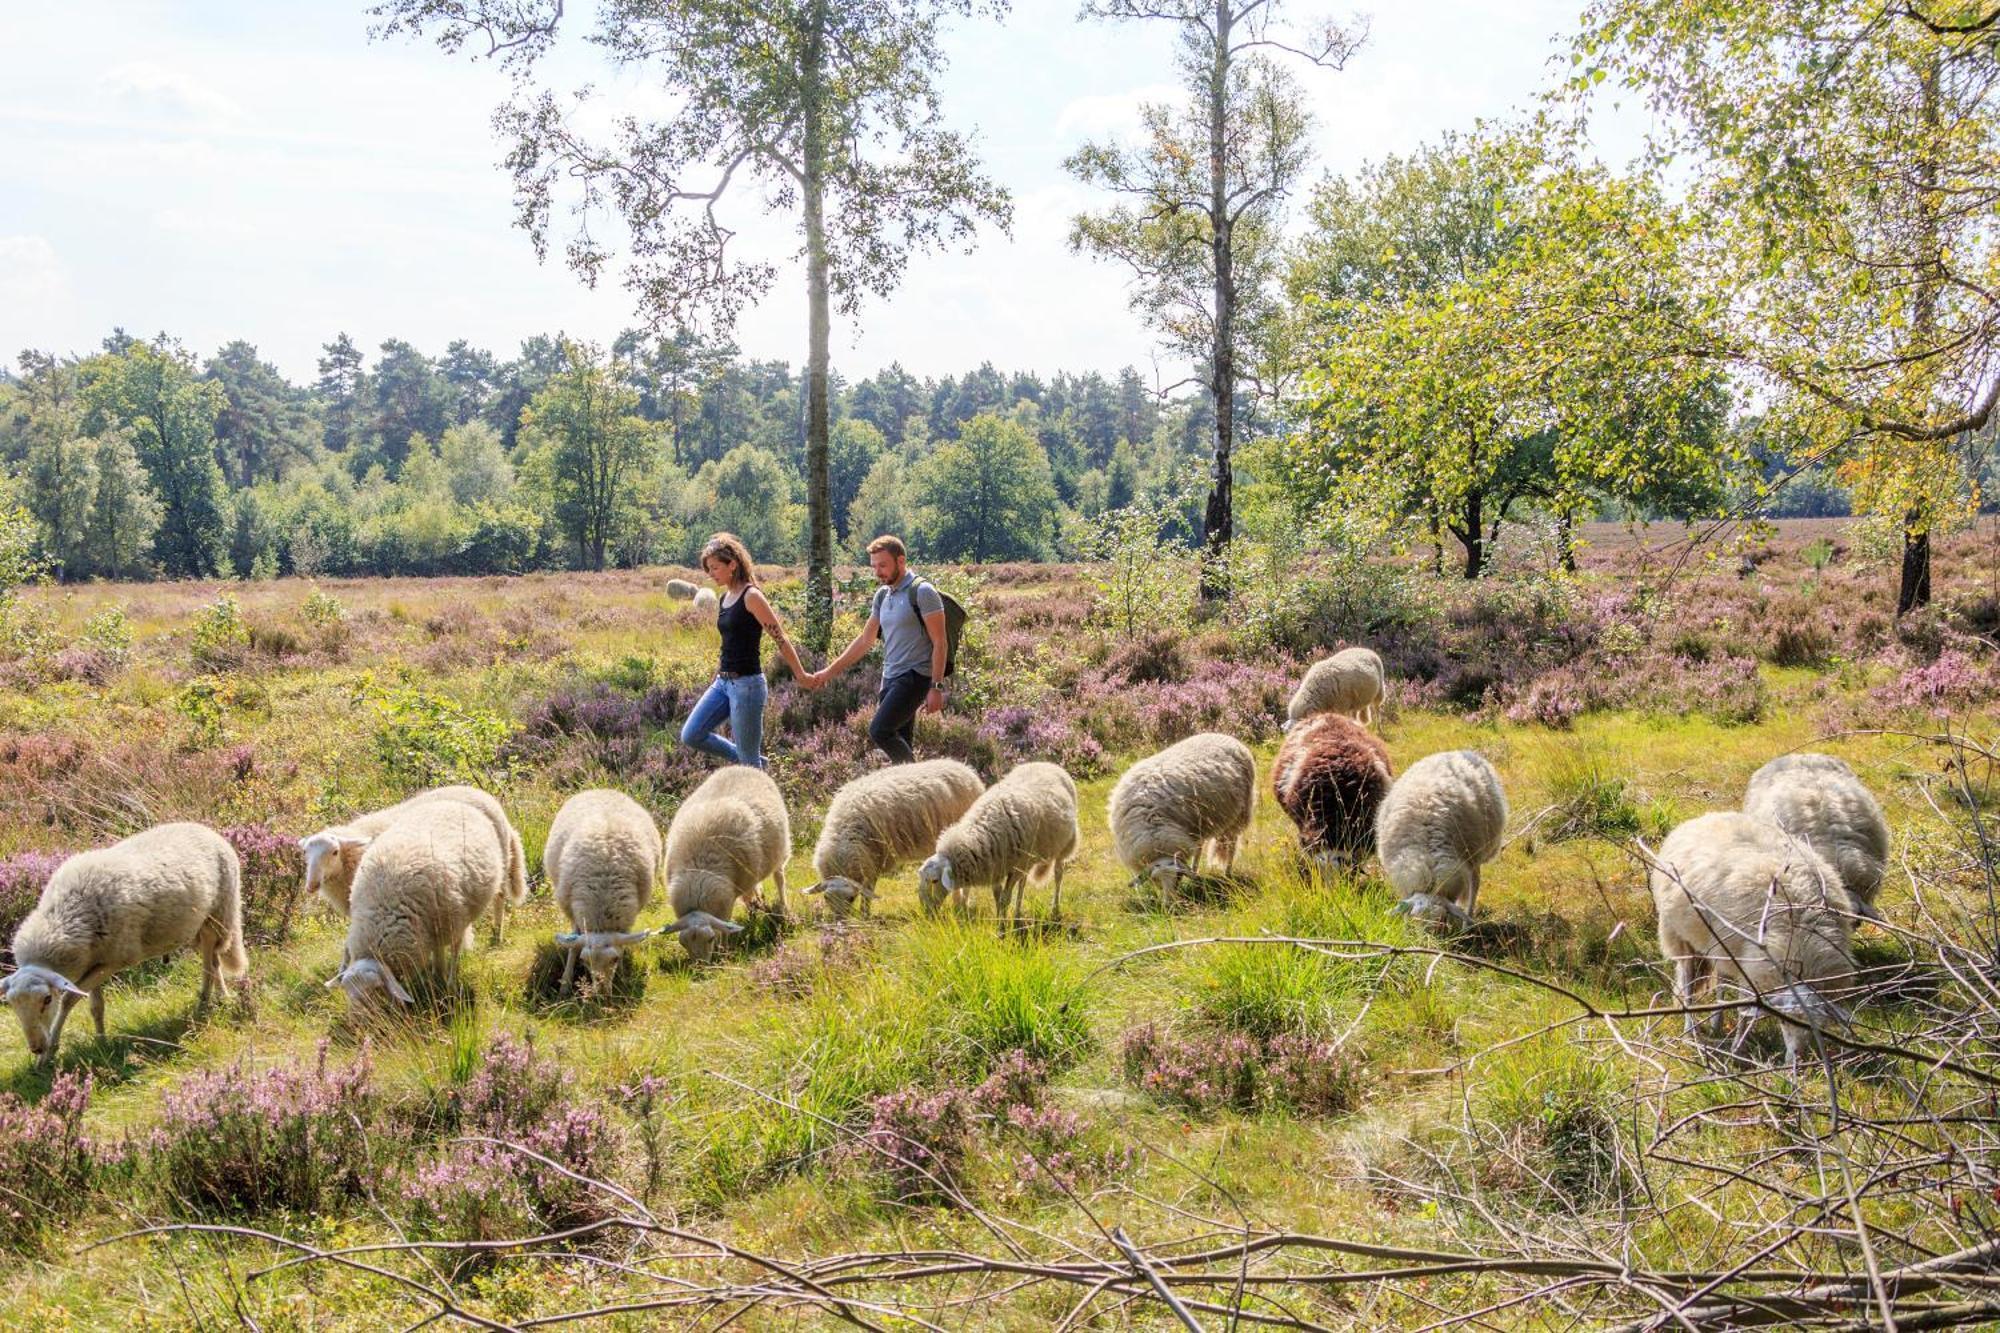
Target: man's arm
pixel 854 652
pixel 934 624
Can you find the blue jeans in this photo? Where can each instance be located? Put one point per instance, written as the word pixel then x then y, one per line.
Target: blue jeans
pixel 741 701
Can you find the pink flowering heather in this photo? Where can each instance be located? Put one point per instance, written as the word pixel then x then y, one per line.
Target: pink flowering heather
pixel 273 879
pixel 23 876
pixel 1956 678
pixel 240 1142
pixel 47 1162
pixel 1204 1072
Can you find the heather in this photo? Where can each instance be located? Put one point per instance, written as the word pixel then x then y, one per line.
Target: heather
pixel 49 1163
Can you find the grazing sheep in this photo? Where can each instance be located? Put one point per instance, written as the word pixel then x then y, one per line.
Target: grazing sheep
pixel 422 883
pixel 1442 820
pixel 1022 827
pixel 601 859
pixel 884 819
pixel 705 603
pixel 1194 796
pixel 104 911
pixel 1351 682
pixel 1330 777
pixel 680 590
pixel 729 835
pixel 333 854
pixel 1743 902
pixel 1818 799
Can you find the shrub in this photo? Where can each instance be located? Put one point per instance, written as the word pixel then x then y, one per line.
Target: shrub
pixel 1208 1070
pixel 240 1143
pixel 919 1140
pixel 200 702
pixel 47 1162
pixel 23 876
pixel 485 1190
pixel 274 872
pixel 1954 678
pixel 220 639
pixel 322 610
pixel 1801 643
pixel 424 739
pixel 1590 801
pixel 1551 1109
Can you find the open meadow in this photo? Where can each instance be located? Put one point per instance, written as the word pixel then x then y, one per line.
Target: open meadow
pixel 908 1121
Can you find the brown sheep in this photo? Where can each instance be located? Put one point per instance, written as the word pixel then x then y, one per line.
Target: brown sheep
pixel 1330 777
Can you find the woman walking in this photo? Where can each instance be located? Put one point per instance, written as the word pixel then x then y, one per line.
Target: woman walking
pixel 738 694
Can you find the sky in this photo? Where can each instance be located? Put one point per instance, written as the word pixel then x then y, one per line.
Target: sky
pixel 242 169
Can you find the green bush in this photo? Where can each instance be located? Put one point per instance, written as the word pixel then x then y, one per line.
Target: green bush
pixel 424 739
pixel 221 639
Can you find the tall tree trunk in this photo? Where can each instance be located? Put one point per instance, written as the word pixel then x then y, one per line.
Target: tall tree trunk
pixel 1915 589
pixel 1472 536
pixel 1566 540
pixel 1437 546
pixel 819 506
pixel 1218 523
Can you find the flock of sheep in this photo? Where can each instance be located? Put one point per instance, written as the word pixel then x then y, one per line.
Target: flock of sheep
pixel 1761 900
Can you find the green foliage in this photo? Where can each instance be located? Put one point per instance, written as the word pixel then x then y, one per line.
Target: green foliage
pixel 988 495
pixel 1146 581
pixel 423 739
pixel 109 632
pixel 219 637
pixel 151 390
pixel 1591 798
pixel 321 609
pixel 590 456
pixel 202 704
pixel 1552 1107
pixel 747 492
pixel 1306 590
pixel 1818 554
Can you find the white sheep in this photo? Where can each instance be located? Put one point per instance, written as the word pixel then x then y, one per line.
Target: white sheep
pixel 1441 821
pixel 1022 827
pixel 884 819
pixel 729 835
pixel 705 603
pixel 680 590
pixel 602 857
pixel 333 854
pixel 106 910
pixel 1352 683
pixel 1818 799
pixel 422 883
pixel 1195 796
pixel 1742 902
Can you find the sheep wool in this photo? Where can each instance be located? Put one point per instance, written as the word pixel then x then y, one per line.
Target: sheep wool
pixel 1818 799
pixel 1441 821
pixel 704 602
pixel 106 910
pixel 1021 828
pixel 421 885
pixel 333 854
pixel 680 590
pixel 886 819
pixel 729 835
pixel 1195 796
pixel 602 857
pixel 1352 683
pixel 1742 902
pixel 1330 777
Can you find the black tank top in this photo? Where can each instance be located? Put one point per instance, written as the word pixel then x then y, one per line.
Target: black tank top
pixel 742 637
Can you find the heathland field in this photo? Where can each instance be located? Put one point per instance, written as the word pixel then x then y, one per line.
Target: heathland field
pixel 913 1122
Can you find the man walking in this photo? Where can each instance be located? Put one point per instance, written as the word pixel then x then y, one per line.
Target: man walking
pixel 907 614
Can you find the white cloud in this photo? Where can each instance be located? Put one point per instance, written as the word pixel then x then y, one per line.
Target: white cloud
pixel 1110 115
pixel 37 288
pixel 150 88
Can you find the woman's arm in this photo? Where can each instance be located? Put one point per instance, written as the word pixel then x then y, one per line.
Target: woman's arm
pixel 767 616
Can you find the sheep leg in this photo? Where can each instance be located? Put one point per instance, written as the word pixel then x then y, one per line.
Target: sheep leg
pixel 1225 851
pixel 97 1009
pixel 208 972
pixel 1472 893
pixel 569 969
pixel 500 916
pixel 1686 976
pixel 778 880
pixel 1055 902
pixel 1003 892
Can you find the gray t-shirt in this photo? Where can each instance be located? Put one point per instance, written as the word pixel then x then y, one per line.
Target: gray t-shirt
pixel 906 644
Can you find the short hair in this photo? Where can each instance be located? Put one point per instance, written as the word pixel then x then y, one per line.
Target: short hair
pixel 893 545
pixel 728 546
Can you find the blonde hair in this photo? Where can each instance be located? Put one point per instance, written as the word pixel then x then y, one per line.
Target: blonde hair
pixel 728 546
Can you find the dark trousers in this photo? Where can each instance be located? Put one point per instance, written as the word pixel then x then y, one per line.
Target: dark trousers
pixel 894 726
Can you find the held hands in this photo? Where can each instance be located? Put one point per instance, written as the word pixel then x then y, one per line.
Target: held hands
pixel 812 680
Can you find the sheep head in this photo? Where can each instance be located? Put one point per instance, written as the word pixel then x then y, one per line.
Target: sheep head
pixel 1433 910
pixel 364 978
pixel 38 996
pixel 332 857
pixel 1167 873
pixel 699 931
pixel 843 893
pixel 600 950
pixel 935 881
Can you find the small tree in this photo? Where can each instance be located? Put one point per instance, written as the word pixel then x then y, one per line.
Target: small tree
pixel 152 391
pixel 1206 187
pixel 988 494
pixel 589 454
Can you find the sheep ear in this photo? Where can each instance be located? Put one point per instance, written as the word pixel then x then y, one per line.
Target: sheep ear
pixel 333 982
pixel 395 987
pixel 568 937
pixel 812 889
pixel 68 987
pixel 950 880
pixel 353 842
pixel 1869 912
pixel 626 939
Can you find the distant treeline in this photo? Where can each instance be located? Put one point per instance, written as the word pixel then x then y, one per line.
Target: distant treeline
pixel 143 461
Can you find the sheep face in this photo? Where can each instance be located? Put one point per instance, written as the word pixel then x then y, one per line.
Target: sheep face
pixel 1167 874
pixel 1433 910
pixel 935 882
pixel 332 857
pixel 842 894
pixel 699 932
pixel 37 995
pixel 366 979
pixel 600 950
